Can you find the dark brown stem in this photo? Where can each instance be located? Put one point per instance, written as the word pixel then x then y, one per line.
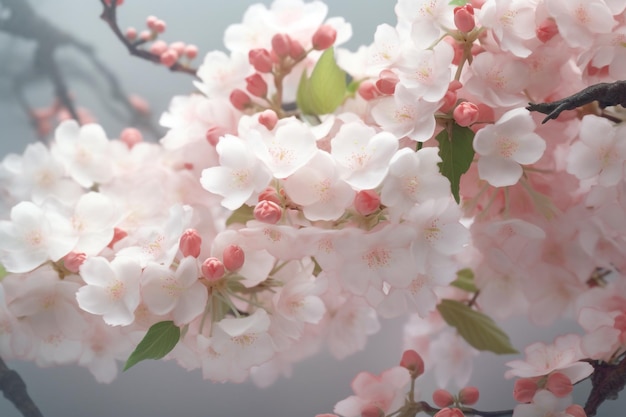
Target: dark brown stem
pixel 14 389
pixel 109 15
pixel 607 381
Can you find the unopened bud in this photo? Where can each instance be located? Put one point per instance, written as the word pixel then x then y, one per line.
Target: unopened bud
pixel 169 58
pixel 160 26
pixel 466 113
pixel 191 51
pixel 449 412
pixel 464 18
pixel 268 212
pixel 190 243
pixel 118 234
pixel 131 137
pixel 559 384
pixel 234 257
pixel 158 47
pixel 442 398
pixel 239 99
pixel 281 44
pixel 547 30
pixel 324 37
pixel 179 47
pixel 256 85
pixel 387 81
pixel 296 50
pixel 469 395
pixel 261 60
pixel 524 390
pixel 366 202
pixel 212 269
pixel 372 410
pixel 131 34
pixel 213 134
pixel 73 260
pixel 412 361
pixel 270 194
pixel 268 118
pixel 368 90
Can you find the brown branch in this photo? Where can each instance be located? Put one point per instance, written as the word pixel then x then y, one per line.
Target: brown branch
pixel 607 381
pixel 109 15
pixel 14 389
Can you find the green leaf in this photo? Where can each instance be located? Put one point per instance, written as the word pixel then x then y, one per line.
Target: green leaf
pixel 241 215
pixel 325 90
pixel 158 342
pixel 478 329
pixel 3 272
pixel 458 2
pixel 457 154
pixel 465 280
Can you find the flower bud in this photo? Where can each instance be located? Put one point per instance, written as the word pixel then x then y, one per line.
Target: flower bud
pixel 118 234
pixel 234 257
pixel 268 212
pixel 466 113
pixel 576 411
pixel 296 50
pixel 270 194
pixel 191 51
pixel 261 60
pixel 324 37
pixel 464 18
pixel 372 410
pixel 239 99
pixel 366 202
pixel 368 90
pixel 160 26
pixel 212 269
pixel 442 398
pixel 213 134
pixel 256 85
pixel 387 81
pixel 547 30
pixel 524 390
pixel 449 412
pixel 131 136
pixel 169 58
pixel 281 45
pixel 190 243
pixel 412 361
pixel 150 22
pixel 158 47
pixel 73 260
pixel 468 395
pixel 178 47
pixel 268 118
pixel 131 34
pixel 559 384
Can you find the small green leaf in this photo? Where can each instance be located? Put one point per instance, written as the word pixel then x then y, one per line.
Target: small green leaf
pixel 458 2
pixel 325 90
pixel 457 154
pixel 465 280
pixel 478 329
pixel 241 215
pixel 3 272
pixel 158 342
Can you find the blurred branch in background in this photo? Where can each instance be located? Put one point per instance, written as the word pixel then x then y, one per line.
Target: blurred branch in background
pixel 18 19
pixel 14 389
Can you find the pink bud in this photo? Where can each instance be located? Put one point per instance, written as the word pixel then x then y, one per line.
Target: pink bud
pixel 366 202
pixel 145 35
pixel 464 18
pixel 281 44
pixel 270 194
pixel 169 58
pixel 213 134
pixel 576 411
pixel 190 243
pixel 412 361
pixel 261 60
pixel 158 47
pixel 372 410
pixel 159 26
pixel 179 47
pixel 324 37
pixel 387 81
pixel 524 390
pixel 139 104
pixel 131 136
pixel 268 212
pixel 547 30
pixel 239 99
pixel 212 269
pixel 468 395
pixel 296 50
pixel 268 118
pixel 442 398
pixel 234 257
pixel 131 34
pixel 191 51
pixel 559 384
pixel 466 113
pixel 449 412
pixel 256 85
pixel 449 100
pixel 151 21
pixel 73 260
pixel 118 234
pixel 368 90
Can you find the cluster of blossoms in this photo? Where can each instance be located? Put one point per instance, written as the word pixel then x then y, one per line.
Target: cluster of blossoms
pixel 287 208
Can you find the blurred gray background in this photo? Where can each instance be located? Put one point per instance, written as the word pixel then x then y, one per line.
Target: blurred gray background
pixel 162 389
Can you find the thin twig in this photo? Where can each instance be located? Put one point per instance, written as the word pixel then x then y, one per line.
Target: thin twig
pixel 14 389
